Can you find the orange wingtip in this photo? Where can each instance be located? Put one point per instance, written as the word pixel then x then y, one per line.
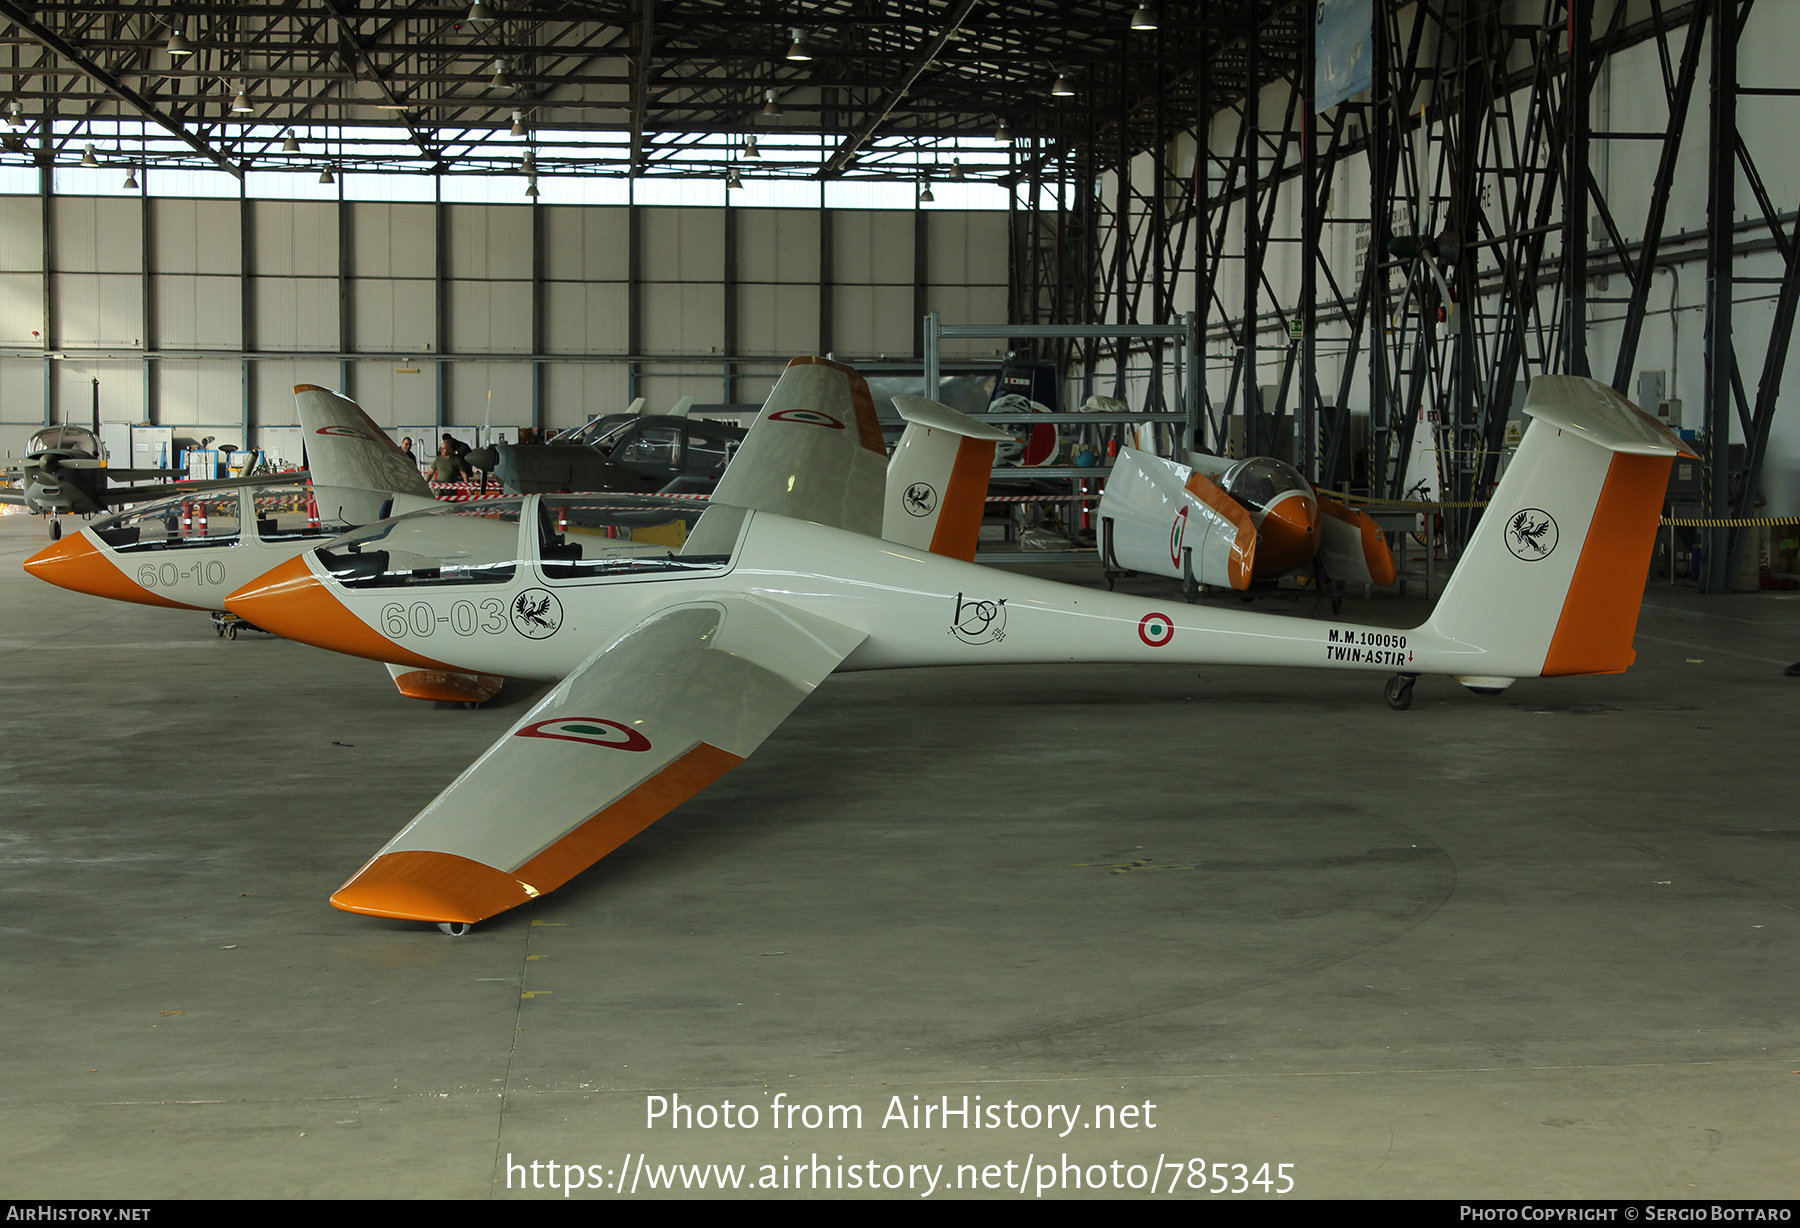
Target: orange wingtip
pixel 75 563
pixel 295 604
pixel 299 388
pixel 426 886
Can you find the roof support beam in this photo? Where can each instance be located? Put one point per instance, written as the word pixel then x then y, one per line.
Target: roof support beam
pixel 640 90
pixel 850 144
pixel 348 33
pixel 117 88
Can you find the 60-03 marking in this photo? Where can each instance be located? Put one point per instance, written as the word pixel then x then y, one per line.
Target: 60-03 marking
pixel 465 618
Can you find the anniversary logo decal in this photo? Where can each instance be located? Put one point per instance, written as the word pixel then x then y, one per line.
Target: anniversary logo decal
pixel 347 431
pixel 979 622
pixel 1175 536
pixel 594 730
pixel 536 613
pixel 1531 534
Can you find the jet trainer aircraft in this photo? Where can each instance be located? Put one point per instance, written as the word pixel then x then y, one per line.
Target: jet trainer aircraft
pixel 1230 523
pixel 682 636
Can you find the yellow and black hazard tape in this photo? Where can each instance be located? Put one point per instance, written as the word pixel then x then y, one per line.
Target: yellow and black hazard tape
pixel 1680 522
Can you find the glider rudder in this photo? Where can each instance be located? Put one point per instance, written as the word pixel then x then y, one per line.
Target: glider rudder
pixel 1554 577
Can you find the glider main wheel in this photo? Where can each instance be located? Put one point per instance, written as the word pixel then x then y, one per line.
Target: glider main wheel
pixel 471 704
pixel 1398 691
pixel 55 530
pixel 456 929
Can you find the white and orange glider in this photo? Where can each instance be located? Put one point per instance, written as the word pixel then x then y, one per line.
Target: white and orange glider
pixel 681 635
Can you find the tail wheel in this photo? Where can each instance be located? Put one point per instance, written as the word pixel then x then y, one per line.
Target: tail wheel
pixel 1398 691
pixel 456 929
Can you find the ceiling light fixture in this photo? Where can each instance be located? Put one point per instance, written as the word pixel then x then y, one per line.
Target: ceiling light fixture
pixel 88 158
pixel 732 182
pixel 325 176
pixel 15 114
pixel 518 128
pixel 1143 19
pixel 178 45
pixel 531 188
pixel 290 145
pixel 1002 135
pixel 241 104
pixel 798 51
pixel 1062 88
pixel 956 170
pixel 925 196
pixel 771 107
pixel 480 14
pixel 131 178
pixel 528 164
pixel 750 149
pixel 502 75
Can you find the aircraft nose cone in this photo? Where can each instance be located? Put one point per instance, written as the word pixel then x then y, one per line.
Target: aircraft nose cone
pixel 1289 534
pixel 292 602
pixel 75 563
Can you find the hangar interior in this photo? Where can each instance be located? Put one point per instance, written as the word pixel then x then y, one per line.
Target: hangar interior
pixel 1480 950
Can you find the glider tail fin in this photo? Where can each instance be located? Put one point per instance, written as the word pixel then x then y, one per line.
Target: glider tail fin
pixel 937 479
pixel 1552 581
pixel 345 448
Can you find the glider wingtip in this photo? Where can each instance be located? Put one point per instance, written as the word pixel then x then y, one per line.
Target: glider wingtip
pixel 428 886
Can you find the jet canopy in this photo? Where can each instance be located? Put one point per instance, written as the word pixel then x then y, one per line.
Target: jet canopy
pixel 1258 481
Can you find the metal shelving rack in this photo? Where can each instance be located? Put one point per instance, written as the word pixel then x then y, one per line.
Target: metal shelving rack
pixel 1185 342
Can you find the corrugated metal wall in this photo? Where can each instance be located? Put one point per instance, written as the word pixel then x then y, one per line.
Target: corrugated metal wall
pixel 205 313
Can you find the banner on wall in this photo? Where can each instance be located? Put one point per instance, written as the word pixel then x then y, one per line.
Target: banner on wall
pixel 1343 50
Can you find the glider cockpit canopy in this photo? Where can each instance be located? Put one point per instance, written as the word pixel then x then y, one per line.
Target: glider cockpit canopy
pixel 568 537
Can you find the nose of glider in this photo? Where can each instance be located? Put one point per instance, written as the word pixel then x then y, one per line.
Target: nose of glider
pixel 77 564
pixel 1290 534
pixel 295 604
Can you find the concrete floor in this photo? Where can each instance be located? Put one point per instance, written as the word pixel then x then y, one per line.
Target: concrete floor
pixel 1539 945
